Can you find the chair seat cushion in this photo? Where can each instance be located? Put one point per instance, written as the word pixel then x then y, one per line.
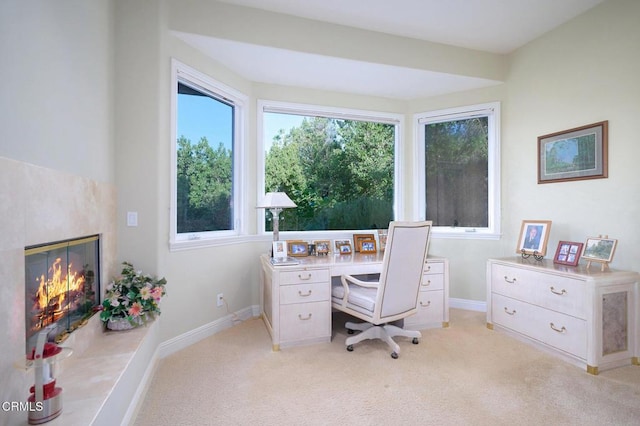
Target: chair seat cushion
pixel 359 296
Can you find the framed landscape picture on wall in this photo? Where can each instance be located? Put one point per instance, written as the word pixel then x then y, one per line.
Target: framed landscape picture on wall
pixel 574 154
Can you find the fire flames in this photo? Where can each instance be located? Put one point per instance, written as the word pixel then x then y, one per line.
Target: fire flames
pixel 54 290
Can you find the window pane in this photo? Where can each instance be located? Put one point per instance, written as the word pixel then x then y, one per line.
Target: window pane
pixel 456 160
pixel 204 162
pixel 340 173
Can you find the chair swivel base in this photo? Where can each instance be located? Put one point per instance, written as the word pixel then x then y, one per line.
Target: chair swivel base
pixel 383 332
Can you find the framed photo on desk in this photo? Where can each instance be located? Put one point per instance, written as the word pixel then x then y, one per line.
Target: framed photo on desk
pixel 367 246
pixel 322 246
pixel 343 246
pixel 357 238
pixel 298 248
pixel 280 250
pixel 382 238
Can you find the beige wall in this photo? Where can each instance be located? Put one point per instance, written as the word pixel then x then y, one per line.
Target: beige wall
pixel 552 84
pixel 56 151
pixel 581 73
pixel 56 107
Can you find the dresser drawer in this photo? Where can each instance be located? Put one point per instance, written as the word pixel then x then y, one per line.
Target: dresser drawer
pixel 430 309
pixel 301 321
pixel 434 268
pixel 563 332
pixel 303 293
pixel 432 282
pixel 562 294
pixel 305 276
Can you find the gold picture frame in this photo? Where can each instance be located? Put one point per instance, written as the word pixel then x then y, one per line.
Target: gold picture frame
pixel 534 235
pixel 599 249
pixel 322 247
pixel 297 248
pixel 343 246
pixel 367 246
pixel 358 237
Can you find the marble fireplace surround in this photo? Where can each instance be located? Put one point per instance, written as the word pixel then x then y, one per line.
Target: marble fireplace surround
pixel 39 205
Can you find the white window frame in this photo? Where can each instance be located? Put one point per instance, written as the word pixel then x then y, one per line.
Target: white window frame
pixel 182 72
pixel 490 110
pixel 329 112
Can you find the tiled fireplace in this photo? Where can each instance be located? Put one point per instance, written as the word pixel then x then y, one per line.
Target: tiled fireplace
pixel 39 205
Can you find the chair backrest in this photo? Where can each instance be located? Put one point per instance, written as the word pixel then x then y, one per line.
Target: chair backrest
pixel 402 269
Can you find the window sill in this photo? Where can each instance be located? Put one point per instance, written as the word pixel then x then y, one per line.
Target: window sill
pixel 215 242
pixel 464 235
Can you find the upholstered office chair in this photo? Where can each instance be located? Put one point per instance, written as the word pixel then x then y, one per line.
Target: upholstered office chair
pixel 395 295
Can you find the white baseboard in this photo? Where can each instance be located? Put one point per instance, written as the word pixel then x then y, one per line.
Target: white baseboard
pixel 189 338
pixel 141 390
pixel 469 305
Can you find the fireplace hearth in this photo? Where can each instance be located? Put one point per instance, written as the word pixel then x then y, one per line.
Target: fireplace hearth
pixel 62 287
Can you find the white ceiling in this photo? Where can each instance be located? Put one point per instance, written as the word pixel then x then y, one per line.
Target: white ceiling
pixel 496 26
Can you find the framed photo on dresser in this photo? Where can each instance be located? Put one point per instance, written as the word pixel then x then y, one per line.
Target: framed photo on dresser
pixel 599 249
pixel 534 235
pixel 568 253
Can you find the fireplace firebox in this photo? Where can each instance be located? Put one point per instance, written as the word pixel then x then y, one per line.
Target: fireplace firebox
pixel 62 287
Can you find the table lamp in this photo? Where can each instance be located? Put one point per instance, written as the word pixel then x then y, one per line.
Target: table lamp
pixel 276 202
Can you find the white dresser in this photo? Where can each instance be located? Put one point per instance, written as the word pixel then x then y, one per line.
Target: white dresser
pixel 295 300
pixel 587 316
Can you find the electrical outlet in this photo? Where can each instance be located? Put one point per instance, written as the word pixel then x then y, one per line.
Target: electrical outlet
pixel 220 299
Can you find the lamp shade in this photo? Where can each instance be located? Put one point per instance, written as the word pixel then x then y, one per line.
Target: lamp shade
pixel 273 200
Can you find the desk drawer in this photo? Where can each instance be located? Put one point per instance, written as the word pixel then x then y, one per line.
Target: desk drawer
pixel 300 321
pixel 432 282
pixel 430 310
pixel 434 268
pixel 304 276
pixel 303 293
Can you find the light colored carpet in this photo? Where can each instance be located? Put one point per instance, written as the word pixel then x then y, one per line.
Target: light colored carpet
pixel 461 375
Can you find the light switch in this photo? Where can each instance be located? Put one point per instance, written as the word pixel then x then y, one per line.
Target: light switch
pixel 132 218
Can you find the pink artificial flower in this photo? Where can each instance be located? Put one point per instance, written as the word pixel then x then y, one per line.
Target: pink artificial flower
pixel 135 309
pixel 156 293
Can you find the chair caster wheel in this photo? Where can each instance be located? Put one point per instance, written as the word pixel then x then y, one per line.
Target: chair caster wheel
pixel 394 355
pixel 350 348
pixel 350 331
pixel 415 341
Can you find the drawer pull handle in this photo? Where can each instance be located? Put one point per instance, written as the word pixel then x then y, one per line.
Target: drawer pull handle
pixel 304 295
pixel 559 330
pixel 559 293
pixel 426 283
pixel 507 280
pixel 428 268
pixel 304 319
pixel 509 313
pixel 308 277
pixel 425 305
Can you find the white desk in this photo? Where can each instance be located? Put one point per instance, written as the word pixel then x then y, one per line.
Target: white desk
pixel 295 300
